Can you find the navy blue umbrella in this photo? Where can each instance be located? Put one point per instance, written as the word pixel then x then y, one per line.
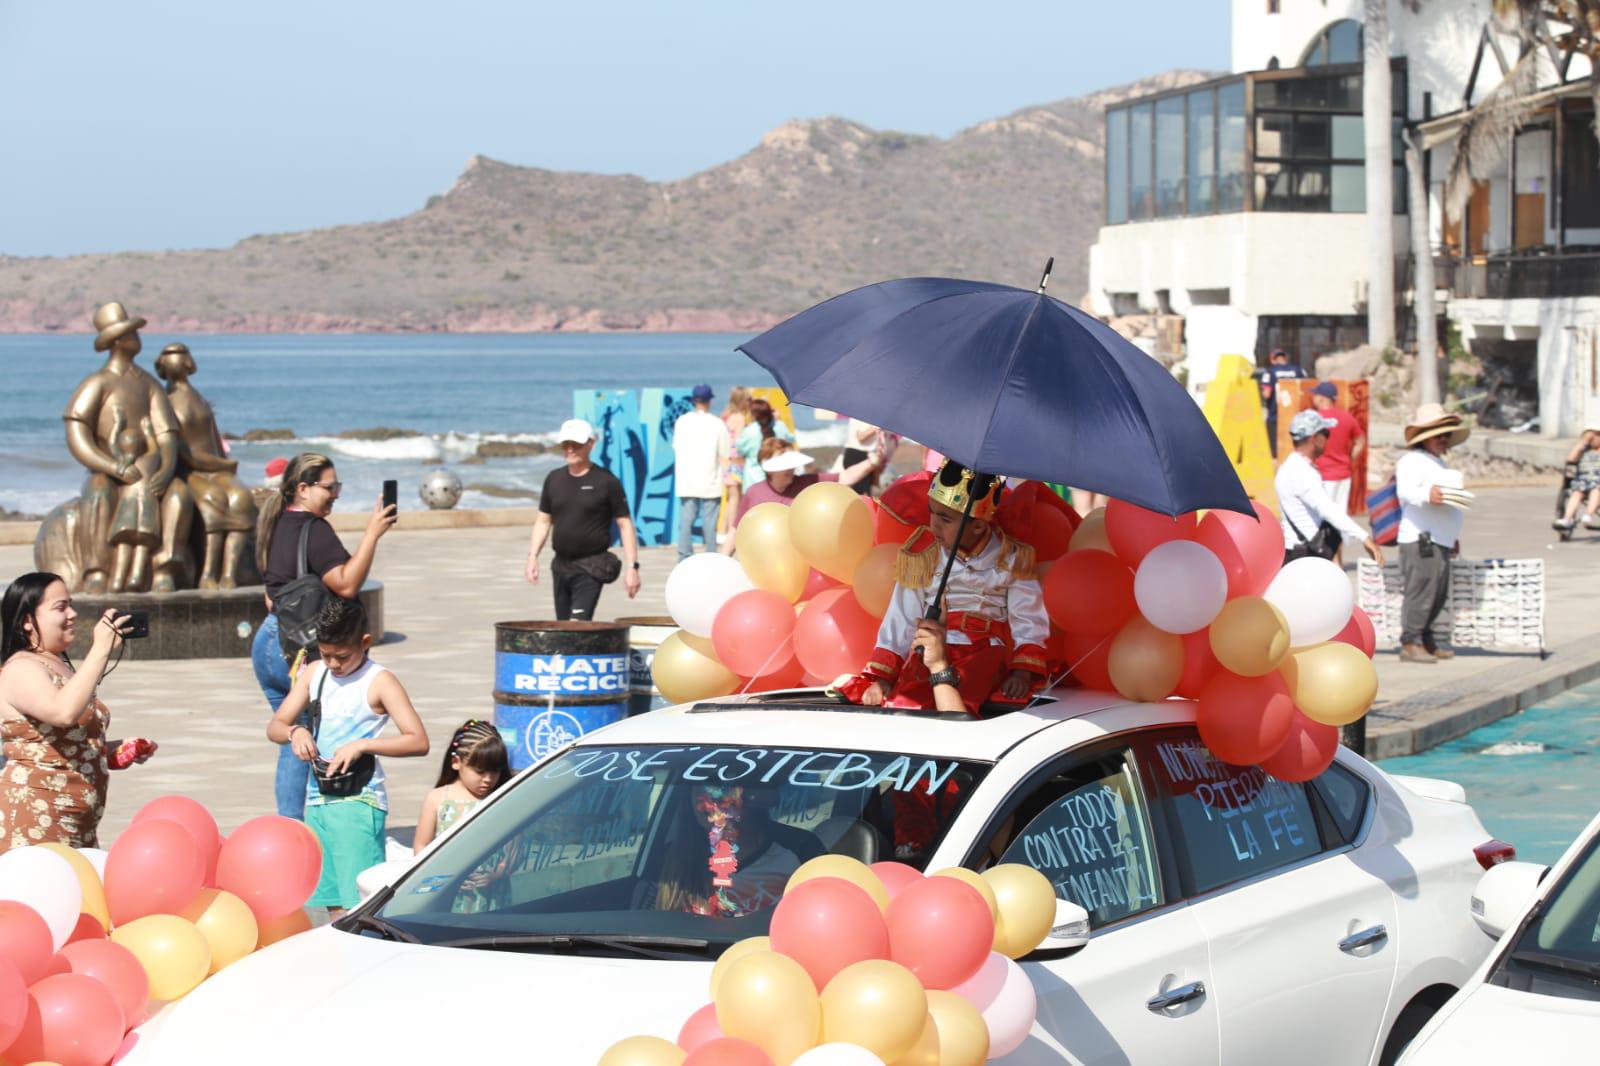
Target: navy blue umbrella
pixel 1006 381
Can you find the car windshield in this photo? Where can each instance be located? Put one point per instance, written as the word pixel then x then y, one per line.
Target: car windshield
pixel 1558 951
pixel 684 846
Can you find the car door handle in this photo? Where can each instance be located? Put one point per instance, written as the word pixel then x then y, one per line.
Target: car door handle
pixel 1366 938
pixel 1174 997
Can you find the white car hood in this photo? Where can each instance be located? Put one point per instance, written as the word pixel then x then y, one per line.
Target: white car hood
pixel 330 996
pixel 1493 1024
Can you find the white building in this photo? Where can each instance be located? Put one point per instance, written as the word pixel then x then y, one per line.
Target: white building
pixel 1239 203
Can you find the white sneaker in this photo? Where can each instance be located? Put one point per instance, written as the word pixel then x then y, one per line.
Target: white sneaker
pixel 1590 521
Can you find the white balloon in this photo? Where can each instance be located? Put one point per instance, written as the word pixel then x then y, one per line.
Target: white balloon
pixel 699 586
pixel 97 859
pixel 46 882
pixel 1316 599
pixel 1180 586
pixel 1010 1016
pixel 838 1055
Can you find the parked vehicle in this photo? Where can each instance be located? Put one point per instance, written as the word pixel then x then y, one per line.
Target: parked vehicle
pixel 1234 918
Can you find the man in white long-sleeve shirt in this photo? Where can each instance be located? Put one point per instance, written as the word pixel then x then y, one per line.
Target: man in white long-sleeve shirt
pixel 1430 532
pixel 1303 500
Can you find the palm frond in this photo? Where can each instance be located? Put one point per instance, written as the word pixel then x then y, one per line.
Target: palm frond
pixel 1487 133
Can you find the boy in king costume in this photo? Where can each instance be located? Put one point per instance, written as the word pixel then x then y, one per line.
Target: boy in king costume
pixel 994 609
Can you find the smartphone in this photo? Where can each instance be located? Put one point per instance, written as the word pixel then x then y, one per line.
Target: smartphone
pixel 138 625
pixel 391 495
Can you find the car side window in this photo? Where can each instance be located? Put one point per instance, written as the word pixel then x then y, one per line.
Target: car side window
pixel 1228 823
pixel 1085 827
pixel 1345 795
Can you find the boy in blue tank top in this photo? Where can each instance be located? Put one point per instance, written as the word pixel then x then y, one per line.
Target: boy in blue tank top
pixel 352 700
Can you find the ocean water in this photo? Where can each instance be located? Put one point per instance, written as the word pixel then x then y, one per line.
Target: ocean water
pixel 456 390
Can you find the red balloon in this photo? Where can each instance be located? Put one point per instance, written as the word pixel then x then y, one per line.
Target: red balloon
pixel 789 675
pixel 817 581
pixel 1359 633
pixel 826 924
pixel 13 1002
pixel 153 868
pixel 834 634
pixel 72 1020
pixel 1089 593
pixel 1088 659
pixel 115 967
pixel 753 631
pixel 88 928
pixel 1133 531
pixel 25 940
pixel 272 863
pixel 701 1028
pixel 896 876
pixel 1250 549
pixel 941 930
pixel 1199 663
pixel 726 1051
pixel 1244 719
pixel 1051 534
pixel 196 820
pixel 1307 751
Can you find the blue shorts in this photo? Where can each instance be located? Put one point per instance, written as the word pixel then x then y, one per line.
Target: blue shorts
pixel 351 834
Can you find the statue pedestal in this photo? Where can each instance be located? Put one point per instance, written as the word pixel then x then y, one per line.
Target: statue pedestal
pixel 197 625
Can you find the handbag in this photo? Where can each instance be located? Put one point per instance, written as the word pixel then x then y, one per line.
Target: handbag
pixel 297 605
pixel 1323 544
pixel 354 778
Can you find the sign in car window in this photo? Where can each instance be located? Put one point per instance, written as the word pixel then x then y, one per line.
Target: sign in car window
pixel 1233 822
pixel 1092 841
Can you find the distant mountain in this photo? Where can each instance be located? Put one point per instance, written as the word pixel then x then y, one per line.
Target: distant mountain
pixel 818 207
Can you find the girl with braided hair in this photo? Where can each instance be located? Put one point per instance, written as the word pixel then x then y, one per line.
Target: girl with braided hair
pixel 475 764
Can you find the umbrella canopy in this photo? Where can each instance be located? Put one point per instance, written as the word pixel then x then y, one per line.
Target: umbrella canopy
pixel 1006 381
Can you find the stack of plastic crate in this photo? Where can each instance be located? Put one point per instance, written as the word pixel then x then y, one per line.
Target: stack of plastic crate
pixel 1494 603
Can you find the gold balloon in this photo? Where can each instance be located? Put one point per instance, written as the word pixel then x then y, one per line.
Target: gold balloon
pixel 1145 663
pixel 1249 636
pixel 643 1051
pixel 94 893
pixel 767 551
pixel 873 581
pixel 954 1034
pixel 1026 902
pixel 227 924
pixel 1091 533
pixel 976 880
pixel 684 675
pixel 1332 683
pixel 275 929
pixel 845 868
pixel 878 1004
pixel 832 527
pixel 736 951
pixel 700 644
pixel 769 1000
pixel 172 951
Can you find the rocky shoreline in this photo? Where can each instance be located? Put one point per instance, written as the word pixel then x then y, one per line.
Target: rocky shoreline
pixel 22 316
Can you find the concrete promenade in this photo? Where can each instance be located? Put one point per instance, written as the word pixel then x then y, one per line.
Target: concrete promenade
pixel 447 587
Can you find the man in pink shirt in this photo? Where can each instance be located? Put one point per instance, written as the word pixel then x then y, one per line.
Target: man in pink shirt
pixel 1346 444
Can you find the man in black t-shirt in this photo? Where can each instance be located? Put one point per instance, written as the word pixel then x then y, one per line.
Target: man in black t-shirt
pixel 580 501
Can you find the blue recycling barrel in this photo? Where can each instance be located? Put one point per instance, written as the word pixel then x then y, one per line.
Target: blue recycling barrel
pixel 555 681
pixel 645 634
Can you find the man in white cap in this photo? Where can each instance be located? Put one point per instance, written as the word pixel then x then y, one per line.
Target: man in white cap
pixel 1303 500
pixel 1430 531
pixel 580 501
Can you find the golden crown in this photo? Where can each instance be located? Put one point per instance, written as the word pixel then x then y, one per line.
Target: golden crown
pixel 954 485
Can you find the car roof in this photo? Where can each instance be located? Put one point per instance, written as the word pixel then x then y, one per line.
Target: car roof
pixel 808 720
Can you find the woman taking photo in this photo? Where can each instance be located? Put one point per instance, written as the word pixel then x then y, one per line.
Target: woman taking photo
pixel 302 505
pixel 52 723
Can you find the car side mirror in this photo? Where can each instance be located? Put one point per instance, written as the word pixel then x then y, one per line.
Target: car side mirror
pixel 375 879
pixel 1503 894
pixel 1069 931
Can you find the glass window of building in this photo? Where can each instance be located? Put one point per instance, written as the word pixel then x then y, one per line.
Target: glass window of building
pixel 1169 152
pixel 1339 43
pixel 1231 170
pixel 1116 166
pixel 1141 199
pixel 1202 107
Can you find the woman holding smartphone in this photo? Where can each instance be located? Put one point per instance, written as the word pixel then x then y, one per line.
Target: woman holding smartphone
pixel 302 504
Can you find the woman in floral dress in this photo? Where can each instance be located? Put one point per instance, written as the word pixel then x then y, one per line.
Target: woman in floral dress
pixel 52 723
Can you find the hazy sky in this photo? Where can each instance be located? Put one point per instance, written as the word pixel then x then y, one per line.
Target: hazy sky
pixel 194 123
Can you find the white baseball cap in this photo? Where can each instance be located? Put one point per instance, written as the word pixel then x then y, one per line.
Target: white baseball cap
pixel 575 430
pixel 789 460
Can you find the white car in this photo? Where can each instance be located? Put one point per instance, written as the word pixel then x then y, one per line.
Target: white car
pixel 1235 918
pixel 1536 998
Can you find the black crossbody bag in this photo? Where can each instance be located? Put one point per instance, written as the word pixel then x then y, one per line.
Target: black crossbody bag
pixel 355 776
pixel 1323 544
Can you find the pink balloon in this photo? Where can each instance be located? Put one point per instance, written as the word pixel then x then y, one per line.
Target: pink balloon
pixel 13 1002
pixel 826 924
pixel 1251 549
pixel 153 868
pixel 789 674
pixel 1359 632
pixel 1133 531
pixel 1307 752
pixel 272 863
pixel 896 876
pixel 817 581
pixel 941 930
pixel 726 1051
pixel 193 816
pixel 25 940
pixel 834 634
pixel 701 1028
pixel 1010 1014
pixel 72 1020
pixel 753 633
pixel 115 967
pixel 982 987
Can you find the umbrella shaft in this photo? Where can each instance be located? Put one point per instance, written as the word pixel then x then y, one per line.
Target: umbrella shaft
pixel 936 608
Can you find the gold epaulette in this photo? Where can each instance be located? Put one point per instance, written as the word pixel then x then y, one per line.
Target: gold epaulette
pixel 918 560
pixel 1018 559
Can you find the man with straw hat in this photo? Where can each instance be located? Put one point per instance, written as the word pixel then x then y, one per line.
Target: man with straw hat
pixel 1433 506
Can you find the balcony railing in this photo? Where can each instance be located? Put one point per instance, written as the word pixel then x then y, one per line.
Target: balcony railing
pixel 1529 275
